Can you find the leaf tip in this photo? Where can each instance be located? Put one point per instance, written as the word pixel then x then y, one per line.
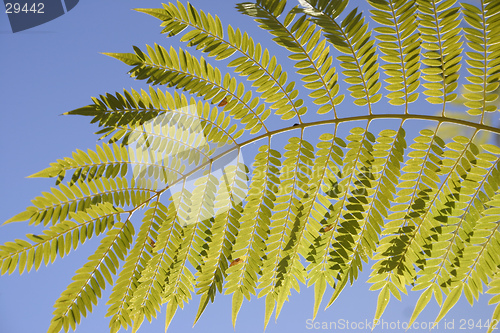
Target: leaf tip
pixel 24 216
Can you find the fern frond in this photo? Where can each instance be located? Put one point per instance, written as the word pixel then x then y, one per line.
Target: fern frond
pixel 72 200
pixel 138 258
pixel 91 279
pixel 359 237
pixel 255 64
pixel 452 245
pixel 312 57
pixel 400 44
pixel 224 230
pixel 250 242
pixel 282 267
pixel 106 161
pixel 146 297
pixel 482 35
pixel 183 71
pixel 493 288
pixel 326 167
pixel 399 250
pixel 134 108
pixel 352 38
pixel 175 245
pixel 324 197
pixel 440 33
pixel 139 109
pixel 58 239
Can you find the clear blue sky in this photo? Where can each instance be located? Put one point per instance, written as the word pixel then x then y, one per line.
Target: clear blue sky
pixel 57 67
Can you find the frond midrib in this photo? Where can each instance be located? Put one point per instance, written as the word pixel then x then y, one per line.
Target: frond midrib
pixel 248 56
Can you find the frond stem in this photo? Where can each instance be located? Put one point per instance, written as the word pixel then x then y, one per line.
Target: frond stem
pixel 370 117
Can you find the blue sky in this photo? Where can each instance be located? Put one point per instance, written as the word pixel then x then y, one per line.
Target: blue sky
pixel 57 67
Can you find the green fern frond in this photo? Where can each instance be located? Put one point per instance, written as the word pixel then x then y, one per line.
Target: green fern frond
pixel 400 44
pixel 59 239
pixel 440 33
pixel 255 64
pixel 351 38
pixel 483 59
pixel 91 279
pixel 321 199
pixel 310 54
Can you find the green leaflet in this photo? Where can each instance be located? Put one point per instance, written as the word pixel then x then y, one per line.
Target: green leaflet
pixel 383 300
pixel 449 302
pixel 236 305
pixel 250 183
pixel 423 300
